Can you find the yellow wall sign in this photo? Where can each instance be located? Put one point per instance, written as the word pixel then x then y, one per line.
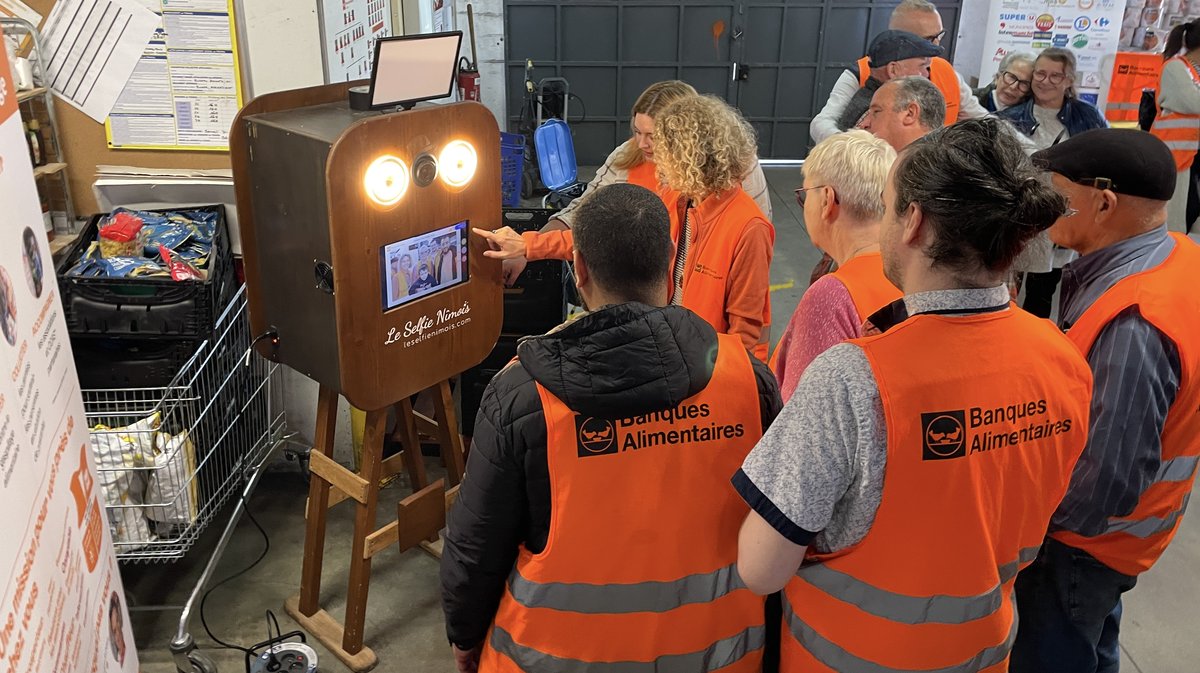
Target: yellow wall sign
pixel 186 89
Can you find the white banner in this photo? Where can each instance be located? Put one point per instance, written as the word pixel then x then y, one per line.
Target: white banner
pixel 63 608
pixel 1089 28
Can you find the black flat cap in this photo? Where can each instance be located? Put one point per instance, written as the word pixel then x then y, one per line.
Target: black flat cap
pixel 1127 161
pixel 897 45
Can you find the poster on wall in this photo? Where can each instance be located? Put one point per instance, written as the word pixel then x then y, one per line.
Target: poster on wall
pixel 63 607
pixel 1089 28
pixel 349 29
pixel 186 88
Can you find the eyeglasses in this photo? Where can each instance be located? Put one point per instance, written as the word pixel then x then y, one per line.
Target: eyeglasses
pixel 1021 84
pixel 1054 77
pixel 936 38
pixel 802 193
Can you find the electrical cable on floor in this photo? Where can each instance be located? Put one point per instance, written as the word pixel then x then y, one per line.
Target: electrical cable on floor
pixel 261 556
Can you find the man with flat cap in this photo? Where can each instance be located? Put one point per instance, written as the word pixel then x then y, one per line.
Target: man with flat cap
pixel 892 54
pixel 1128 304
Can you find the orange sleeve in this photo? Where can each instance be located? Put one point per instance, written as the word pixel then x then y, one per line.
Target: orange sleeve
pixel 548 245
pixel 748 300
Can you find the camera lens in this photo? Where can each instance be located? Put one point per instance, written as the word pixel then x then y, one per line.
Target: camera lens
pixel 425 170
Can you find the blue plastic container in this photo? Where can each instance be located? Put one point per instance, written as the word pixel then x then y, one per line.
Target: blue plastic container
pixel 512 164
pixel 556 154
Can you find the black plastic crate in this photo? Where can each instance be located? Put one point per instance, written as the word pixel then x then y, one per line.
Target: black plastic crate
pixel 124 362
pixel 147 307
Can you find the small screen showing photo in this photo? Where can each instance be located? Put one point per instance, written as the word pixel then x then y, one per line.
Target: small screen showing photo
pixel 422 265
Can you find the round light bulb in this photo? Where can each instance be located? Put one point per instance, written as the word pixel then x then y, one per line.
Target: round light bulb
pixel 386 180
pixel 457 163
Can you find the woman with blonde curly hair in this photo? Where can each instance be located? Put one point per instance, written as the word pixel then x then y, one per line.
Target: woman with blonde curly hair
pixel 724 242
pixel 633 162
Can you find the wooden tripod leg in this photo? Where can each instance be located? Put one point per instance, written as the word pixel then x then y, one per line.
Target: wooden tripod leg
pixel 318 507
pixel 448 437
pixel 364 525
pixel 406 428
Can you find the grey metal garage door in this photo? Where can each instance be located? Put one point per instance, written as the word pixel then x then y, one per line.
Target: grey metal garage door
pixel 776 61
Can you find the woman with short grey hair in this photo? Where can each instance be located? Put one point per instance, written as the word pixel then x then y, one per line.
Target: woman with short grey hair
pixel 1011 84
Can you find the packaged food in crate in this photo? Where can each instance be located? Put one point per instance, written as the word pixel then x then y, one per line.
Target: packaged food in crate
pixel 172 282
pixel 120 235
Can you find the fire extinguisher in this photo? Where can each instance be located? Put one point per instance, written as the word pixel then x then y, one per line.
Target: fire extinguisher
pixel 468 81
pixel 468 71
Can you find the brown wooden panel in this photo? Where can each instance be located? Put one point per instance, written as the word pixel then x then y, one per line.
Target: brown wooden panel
pixel 421 515
pixel 374 373
pixel 339 477
pixel 243 186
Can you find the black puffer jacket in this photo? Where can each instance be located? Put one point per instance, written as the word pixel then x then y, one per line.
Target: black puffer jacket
pixel 620 361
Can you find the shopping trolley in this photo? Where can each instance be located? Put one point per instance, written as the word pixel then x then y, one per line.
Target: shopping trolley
pixel 169 458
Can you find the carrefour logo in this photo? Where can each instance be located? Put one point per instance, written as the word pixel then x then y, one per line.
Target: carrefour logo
pixel 1083 23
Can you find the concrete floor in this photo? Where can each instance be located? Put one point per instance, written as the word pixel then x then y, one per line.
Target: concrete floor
pixel 404 622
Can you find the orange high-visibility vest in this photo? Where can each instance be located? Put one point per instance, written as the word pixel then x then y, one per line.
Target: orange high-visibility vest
pixel 643 175
pixel 717 228
pixel 868 287
pixel 1131 544
pixel 1181 132
pixel 941 73
pixel 870 290
pixel 639 566
pixel 986 416
pixel 1132 72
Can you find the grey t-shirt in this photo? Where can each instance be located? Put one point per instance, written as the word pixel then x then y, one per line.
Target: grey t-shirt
pixel 1049 129
pixel 817 474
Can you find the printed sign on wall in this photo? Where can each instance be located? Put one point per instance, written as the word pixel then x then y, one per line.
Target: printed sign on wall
pixel 1091 29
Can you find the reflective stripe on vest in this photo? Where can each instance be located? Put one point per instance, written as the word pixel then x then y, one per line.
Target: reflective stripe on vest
pixel 1121 106
pixel 1177 122
pixel 837 658
pixel 974 473
pixel 941 73
pixel 1133 543
pixel 896 607
pixel 616 584
pixel 1182 468
pixel 624 598
pixel 1180 132
pixel 1144 528
pixel 724 652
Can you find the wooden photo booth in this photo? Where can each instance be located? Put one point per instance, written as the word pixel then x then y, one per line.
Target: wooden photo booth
pixel 363 275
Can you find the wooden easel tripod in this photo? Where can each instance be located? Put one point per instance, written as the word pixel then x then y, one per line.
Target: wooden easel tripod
pixel 419 517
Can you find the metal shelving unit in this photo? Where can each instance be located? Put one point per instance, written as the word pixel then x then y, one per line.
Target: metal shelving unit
pixel 38 103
